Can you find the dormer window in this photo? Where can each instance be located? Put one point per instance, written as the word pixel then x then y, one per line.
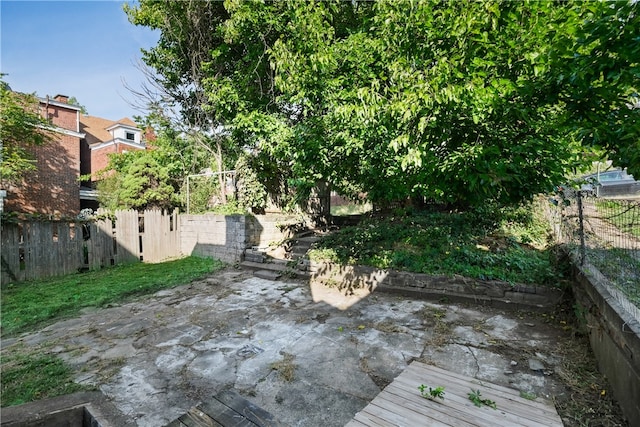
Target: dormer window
pixel 130 136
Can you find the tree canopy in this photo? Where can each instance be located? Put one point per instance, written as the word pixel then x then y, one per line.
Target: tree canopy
pixel 21 127
pixel 454 102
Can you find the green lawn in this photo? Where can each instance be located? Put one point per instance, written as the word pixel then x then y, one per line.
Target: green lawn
pixel 30 305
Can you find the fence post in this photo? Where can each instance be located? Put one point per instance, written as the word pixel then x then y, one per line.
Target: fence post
pixel 583 250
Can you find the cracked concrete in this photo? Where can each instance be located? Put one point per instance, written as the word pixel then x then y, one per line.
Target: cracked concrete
pixel 160 355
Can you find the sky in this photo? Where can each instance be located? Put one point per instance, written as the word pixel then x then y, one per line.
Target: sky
pixel 84 49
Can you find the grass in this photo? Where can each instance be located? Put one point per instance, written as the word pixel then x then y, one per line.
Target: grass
pixel 622 214
pixel 30 377
pixel 488 244
pixel 30 305
pixel 285 367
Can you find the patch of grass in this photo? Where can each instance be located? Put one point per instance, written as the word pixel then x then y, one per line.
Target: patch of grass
pixel 285 367
pixel 621 214
pixel 26 378
pixel 487 244
pixel 29 305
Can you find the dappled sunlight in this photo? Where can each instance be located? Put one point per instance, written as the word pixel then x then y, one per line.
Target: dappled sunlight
pixel 344 295
pixel 335 298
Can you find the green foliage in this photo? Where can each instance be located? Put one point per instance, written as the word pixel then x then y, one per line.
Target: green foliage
pixel 251 192
pixel 453 102
pixel 476 397
pixel 433 393
pixel 477 243
pixel 31 304
pixel 139 180
pixel 595 65
pixel 74 101
pixel 21 127
pixel 26 378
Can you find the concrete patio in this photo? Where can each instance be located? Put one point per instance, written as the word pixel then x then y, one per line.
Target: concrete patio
pixel 308 355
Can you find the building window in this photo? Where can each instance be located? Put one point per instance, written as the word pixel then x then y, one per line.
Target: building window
pixel 130 136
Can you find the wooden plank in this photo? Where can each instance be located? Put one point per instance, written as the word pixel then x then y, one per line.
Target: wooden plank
pixel 196 418
pixel 127 236
pixel 252 412
pixel 440 410
pixel 456 403
pixel 509 399
pixel 421 368
pixel 356 423
pixel 225 415
pixel 400 403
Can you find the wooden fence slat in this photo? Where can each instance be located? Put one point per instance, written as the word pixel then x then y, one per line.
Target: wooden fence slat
pixel 45 255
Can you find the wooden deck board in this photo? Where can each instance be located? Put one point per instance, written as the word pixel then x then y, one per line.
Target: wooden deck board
pixel 400 403
pixel 226 409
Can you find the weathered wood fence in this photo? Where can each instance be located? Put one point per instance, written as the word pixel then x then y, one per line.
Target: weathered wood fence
pixel 36 249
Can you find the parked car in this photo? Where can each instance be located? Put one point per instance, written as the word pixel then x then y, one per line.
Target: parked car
pixel 611 183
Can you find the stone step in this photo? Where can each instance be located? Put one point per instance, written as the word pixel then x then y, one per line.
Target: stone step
pixel 254 256
pixel 267 274
pixel 276 268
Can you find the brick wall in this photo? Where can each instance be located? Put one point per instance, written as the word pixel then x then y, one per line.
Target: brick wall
pixel 53 188
pixel 100 158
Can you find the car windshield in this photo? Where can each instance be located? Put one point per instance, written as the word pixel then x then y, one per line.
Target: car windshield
pixel 611 176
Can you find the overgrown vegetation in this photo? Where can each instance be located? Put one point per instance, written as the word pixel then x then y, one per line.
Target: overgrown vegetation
pixel 29 305
pixel 489 243
pixel 622 214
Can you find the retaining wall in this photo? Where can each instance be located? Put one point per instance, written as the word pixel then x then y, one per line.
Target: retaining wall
pixel 614 335
pixel 443 288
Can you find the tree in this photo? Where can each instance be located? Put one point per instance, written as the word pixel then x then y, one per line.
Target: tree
pixel 596 64
pixel 140 179
pixel 74 101
pixel 21 127
pixel 198 70
pixel 454 102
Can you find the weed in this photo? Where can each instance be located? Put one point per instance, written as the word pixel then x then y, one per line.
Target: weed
pixel 285 367
pixel 433 393
pixel 528 396
pixel 476 397
pixel 388 326
pixel 508 244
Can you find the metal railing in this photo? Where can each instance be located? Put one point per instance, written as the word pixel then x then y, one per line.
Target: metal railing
pixel 603 234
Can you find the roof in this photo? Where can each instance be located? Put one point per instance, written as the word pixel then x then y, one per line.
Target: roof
pixel 96 128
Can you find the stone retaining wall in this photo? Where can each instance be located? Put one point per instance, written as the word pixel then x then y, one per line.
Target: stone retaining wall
pixel 614 337
pixel 442 288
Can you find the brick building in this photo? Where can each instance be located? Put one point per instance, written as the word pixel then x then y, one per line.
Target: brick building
pixel 102 138
pixel 53 188
pixel 80 146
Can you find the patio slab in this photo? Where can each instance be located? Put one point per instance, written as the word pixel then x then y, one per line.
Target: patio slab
pixel 304 353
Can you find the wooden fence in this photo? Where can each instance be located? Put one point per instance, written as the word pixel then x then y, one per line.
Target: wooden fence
pixel 36 249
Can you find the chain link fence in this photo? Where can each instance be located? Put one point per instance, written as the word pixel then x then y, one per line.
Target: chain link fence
pixel 603 234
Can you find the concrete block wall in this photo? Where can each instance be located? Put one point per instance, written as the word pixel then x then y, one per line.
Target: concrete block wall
pixel 226 237
pixel 264 230
pixel 216 236
pixel 614 334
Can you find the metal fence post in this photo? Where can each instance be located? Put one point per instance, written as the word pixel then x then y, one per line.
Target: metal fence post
pixel 583 249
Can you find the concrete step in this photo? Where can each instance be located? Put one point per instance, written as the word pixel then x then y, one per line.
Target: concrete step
pixel 275 268
pixel 267 274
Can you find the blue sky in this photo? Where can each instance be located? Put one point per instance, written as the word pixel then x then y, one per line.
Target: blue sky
pixel 75 48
